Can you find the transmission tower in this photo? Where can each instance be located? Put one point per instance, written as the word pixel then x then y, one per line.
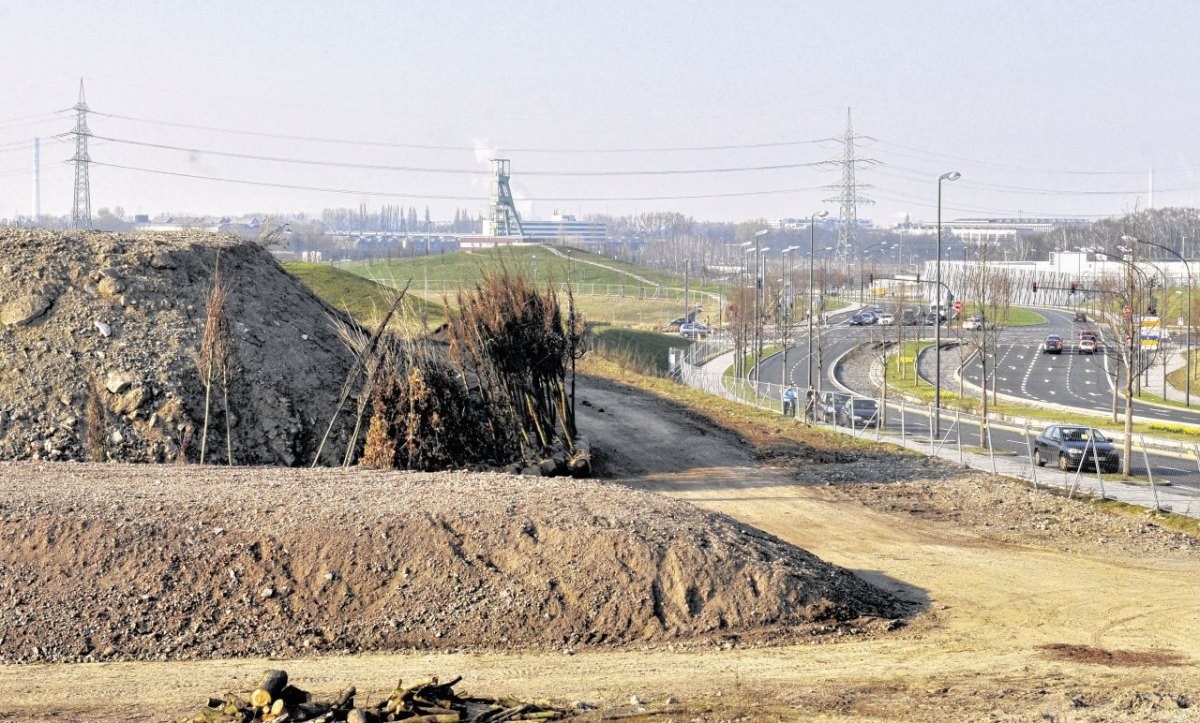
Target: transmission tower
pixel 848 197
pixel 504 217
pixel 81 210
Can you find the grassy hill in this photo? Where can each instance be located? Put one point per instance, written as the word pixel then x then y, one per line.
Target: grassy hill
pixel 466 267
pixel 362 298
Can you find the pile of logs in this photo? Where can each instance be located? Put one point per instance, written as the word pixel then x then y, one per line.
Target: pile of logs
pixel 273 699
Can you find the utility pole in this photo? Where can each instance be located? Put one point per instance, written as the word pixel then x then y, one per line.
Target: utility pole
pixel 848 198
pixel 81 209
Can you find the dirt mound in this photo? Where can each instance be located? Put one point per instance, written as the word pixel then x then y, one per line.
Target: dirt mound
pixel 127 311
pixel 129 561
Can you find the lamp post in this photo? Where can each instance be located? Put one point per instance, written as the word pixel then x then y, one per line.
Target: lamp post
pixel 937 328
pixel 812 235
pixel 740 328
pixel 785 303
pixel 758 279
pixel 1188 270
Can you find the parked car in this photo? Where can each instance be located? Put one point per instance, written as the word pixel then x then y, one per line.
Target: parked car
pixel 1052 345
pixel 694 331
pixel 887 320
pixel 1087 345
pixel 858 413
pixel 1075 448
pixel 828 404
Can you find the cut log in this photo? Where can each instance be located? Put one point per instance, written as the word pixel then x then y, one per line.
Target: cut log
pixel 269 687
pixel 358 715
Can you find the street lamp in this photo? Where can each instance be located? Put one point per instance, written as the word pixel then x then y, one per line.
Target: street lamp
pixel 937 341
pixel 1187 269
pixel 812 235
pixel 758 280
pixel 785 303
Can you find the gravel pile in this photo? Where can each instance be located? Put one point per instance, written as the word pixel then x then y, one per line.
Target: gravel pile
pixel 126 312
pixel 106 562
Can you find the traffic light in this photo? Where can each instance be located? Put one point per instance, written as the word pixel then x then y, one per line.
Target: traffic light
pixel 1035 287
pixel 1072 287
pixel 871 278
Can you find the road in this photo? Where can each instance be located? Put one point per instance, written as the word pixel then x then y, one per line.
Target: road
pixel 1020 351
pixel 1083 381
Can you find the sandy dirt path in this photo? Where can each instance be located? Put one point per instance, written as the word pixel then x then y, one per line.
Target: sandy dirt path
pixel 976 652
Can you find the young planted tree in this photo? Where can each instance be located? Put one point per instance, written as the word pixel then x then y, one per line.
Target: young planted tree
pixel 1130 358
pixel 215 358
pixel 989 289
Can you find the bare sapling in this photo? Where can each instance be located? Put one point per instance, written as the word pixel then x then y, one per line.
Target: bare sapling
pixel 364 353
pixel 215 357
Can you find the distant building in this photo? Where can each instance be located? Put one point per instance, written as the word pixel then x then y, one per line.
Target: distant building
pixel 979 230
pixel 566 230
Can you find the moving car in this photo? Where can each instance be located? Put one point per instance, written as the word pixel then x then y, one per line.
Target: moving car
pixel 1052 345
pixel 1087 345
pixel 694 331
pixel 1081 317
pixel 887 320
pixel 977 323
pixel 828 405
pixel 862 318
pixel 931 319
pixel 858 413
pixel 1074 448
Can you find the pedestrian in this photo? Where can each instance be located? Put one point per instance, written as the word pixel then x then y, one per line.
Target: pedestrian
pixel 810 404
pixel 789 401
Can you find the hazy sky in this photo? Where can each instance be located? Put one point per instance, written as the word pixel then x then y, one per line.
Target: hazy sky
pixel 1047 108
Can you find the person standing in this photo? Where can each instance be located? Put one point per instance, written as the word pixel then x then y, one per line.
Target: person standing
pixel 810 403
pixel 789 401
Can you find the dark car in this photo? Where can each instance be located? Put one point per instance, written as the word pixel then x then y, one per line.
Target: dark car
pixel 1052 345
pixel 828 405
pixel 931 319
pixel 1075 448
pixel 858 413
pixel 1081 317
pixel 862 318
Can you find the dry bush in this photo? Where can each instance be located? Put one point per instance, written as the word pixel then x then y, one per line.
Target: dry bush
pixel 512 336
pixel 495 394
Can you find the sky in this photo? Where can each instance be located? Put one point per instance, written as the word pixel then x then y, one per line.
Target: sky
pixel 716 110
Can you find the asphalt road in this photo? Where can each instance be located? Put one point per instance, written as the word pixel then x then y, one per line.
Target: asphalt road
pixel 1083 381
pixel 1020 364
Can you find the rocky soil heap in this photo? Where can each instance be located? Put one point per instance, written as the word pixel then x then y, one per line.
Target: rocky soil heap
pixel 123 314
pixel 109 561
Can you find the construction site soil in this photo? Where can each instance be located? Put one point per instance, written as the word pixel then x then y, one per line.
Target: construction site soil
pixel 124 314
pixel 106 562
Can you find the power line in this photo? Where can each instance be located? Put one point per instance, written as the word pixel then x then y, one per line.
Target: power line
pixel 365 192
pixel 457 171
pixel 1027 169
pixel 471 149
pixel 912 175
